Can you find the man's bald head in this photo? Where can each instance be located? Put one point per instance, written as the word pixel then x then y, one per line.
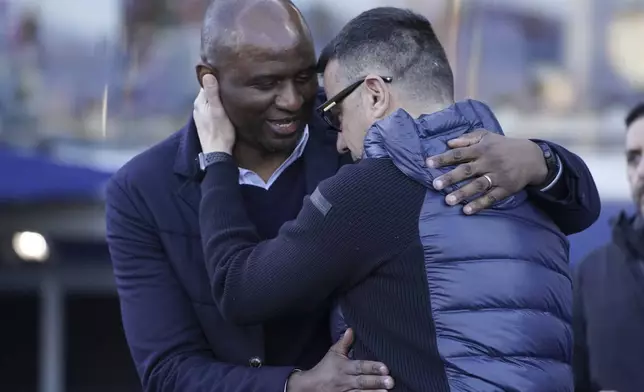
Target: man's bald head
pixel 262 55
pixel 230 26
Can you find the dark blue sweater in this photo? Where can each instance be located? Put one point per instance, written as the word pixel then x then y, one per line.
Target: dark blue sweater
pixel 267 210
pixel 336 241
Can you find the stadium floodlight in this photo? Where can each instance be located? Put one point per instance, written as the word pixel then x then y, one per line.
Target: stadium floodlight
pixel 30 246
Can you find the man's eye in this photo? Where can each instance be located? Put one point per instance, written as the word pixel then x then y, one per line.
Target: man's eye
pixel 633 158
pixel 305 78
pixel 265 85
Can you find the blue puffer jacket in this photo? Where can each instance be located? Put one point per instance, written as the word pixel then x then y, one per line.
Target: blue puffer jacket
pixel 501 292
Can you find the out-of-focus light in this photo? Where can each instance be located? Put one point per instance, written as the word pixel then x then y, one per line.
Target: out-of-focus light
pixel 31 246
pixel 625 33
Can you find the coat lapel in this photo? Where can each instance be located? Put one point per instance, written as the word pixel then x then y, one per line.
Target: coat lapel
pixel 185 165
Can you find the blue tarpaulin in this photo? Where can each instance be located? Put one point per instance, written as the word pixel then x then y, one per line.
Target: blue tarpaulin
pixel 34 178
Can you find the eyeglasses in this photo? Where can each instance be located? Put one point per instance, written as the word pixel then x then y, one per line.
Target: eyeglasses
pixel 329 110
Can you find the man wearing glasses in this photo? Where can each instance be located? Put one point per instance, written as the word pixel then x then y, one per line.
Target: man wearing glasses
pixel 447 302
pixel 262 55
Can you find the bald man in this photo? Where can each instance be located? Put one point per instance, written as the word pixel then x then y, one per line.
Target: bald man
pixel 262 55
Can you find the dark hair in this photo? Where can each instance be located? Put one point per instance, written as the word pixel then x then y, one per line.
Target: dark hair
pixel 635 114
pixel 396 41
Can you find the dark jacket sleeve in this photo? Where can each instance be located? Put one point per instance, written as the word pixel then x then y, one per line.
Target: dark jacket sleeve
pixel 164 335
pixel 581 367
pixel 573 203
pixel 331 245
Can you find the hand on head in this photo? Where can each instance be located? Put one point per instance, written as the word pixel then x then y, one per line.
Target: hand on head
pixel 216 132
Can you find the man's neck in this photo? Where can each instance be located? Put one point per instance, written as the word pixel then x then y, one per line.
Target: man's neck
pixel 261 162
pixel 416 110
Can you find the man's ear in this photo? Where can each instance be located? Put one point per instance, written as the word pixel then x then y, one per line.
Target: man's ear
pixel 203 70
pixel 378 94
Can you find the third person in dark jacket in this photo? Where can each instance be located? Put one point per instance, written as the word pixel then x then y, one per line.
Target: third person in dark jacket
pixel 609 291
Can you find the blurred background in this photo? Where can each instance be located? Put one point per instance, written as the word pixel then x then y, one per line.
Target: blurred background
pixel 85 85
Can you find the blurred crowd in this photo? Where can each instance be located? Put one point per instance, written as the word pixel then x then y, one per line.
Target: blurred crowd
pixel 134 82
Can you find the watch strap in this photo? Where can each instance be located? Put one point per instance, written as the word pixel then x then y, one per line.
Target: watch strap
pixel 209 158
pixel 552 162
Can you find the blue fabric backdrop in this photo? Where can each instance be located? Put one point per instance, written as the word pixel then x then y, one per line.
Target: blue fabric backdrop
pixel 29 178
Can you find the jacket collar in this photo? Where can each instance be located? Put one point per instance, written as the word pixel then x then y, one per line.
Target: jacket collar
pixel 321 160
pixel 185 161
pixel 409 141
pixel 628 233
pixel 186 166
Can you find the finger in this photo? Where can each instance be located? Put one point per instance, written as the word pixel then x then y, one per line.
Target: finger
pixel 467 139
pixel 371 368
pixel 211 87
pixel 452 157
pixel 486 201
pixel 343 345
pixel 475 187
pixel 460 173
pixel 372 383
pixel 209 80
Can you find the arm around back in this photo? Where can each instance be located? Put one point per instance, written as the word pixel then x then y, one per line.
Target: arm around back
pixel 165 338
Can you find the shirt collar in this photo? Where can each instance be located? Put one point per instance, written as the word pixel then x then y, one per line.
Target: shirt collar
pixel 249 177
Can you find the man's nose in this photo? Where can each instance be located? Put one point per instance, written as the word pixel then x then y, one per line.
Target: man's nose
pixel 289 98
pixel 341 144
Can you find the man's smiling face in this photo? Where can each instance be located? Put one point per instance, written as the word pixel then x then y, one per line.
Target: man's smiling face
pixel 267 76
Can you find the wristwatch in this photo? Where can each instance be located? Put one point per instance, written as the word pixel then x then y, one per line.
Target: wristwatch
pixel 208 158
pixel 552 162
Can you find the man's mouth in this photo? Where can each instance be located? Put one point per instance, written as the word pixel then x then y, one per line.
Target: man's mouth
pixel 284 126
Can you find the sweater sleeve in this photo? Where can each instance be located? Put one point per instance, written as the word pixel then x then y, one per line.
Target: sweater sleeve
pixel 336 240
